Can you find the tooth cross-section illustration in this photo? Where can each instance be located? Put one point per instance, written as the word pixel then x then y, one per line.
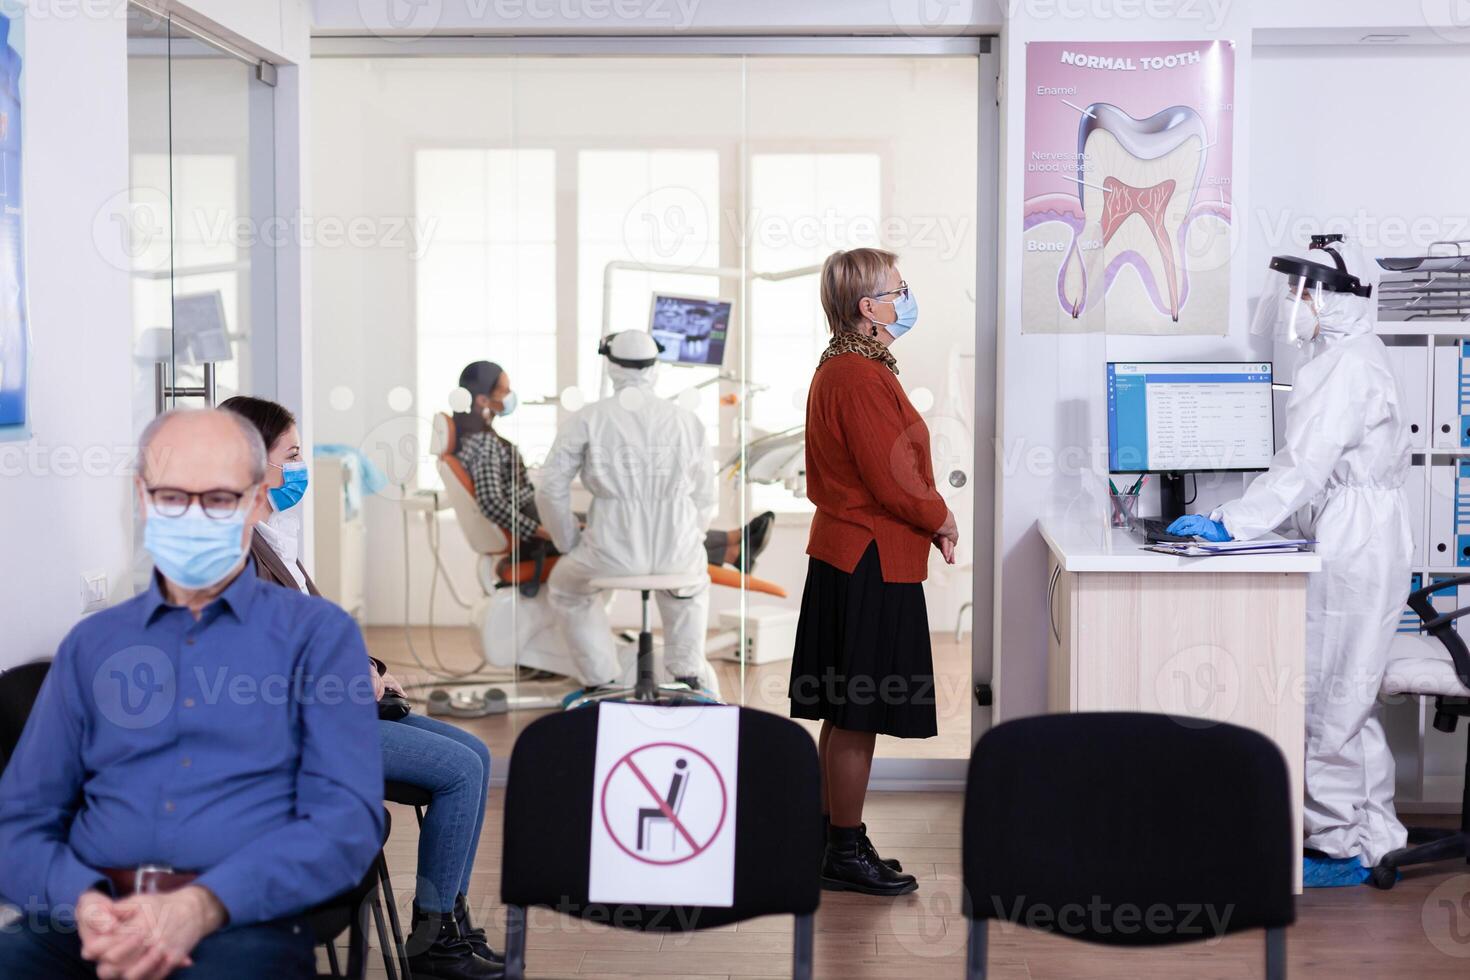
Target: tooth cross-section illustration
pixel 1137 181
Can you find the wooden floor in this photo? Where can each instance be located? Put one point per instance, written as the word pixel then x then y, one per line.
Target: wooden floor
pixel 1344 932
pixel 763 686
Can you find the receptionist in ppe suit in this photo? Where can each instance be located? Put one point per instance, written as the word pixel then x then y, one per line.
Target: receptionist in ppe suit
pixel 1341 474
pixel 645 461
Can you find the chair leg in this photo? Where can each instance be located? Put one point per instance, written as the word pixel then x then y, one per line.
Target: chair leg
pixel 1276 954
pixel 975 957
pixel 385 943
pixel 357 944
pixel 400 949
pixel 801 954
pixel 515 942
pixel 332 963
pixel 418 811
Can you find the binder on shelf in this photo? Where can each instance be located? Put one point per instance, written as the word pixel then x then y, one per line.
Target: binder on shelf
pixel 1442 528
pixel 1409 621
pixel 1452 396
pixel 1462 513
pixel 1411 371
pixel 1414 491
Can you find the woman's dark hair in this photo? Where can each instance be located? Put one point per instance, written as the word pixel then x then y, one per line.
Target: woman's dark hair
pixel 271 419
pixel 478 378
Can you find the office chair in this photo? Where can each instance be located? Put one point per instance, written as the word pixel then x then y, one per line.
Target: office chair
pixel 1128 829
pixel 1436 665
pixel 19 688
pixel 548 833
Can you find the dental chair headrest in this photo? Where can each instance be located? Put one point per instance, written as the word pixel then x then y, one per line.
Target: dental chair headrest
pixel 442 437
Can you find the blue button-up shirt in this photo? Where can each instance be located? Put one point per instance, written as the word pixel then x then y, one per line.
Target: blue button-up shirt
pixel 242 745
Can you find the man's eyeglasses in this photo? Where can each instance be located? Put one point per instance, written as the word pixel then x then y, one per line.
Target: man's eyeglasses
pixel 219 504
pixel 902 291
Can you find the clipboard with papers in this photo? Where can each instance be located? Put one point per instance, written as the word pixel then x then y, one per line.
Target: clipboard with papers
pixel 1200 548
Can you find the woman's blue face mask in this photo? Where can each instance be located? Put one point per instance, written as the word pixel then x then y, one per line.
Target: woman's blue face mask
pixel 292 488
pixel 905 312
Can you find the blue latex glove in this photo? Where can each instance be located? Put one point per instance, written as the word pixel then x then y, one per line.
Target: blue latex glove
pixel 1199 526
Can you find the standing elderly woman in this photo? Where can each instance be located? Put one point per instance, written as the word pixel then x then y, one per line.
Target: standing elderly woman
pixel 862 664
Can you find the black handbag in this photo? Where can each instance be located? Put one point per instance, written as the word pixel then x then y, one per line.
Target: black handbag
pixel 392 706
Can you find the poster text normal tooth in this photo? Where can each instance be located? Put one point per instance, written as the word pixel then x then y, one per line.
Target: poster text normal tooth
pixel 1127 191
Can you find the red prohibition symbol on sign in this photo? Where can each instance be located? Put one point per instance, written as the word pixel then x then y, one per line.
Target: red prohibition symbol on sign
pixel 657 799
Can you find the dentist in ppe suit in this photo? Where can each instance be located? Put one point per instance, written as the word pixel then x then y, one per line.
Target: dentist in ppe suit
pixel 645 461
pixel 1341 474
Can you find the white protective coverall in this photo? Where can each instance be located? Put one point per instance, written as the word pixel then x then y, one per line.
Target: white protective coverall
pixel 644 460
pixel 1341 474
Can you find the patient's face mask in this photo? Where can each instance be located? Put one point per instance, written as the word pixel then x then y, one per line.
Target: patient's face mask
pixel 506 407
pixel 905 310
pixel 293 485
pixel 194 550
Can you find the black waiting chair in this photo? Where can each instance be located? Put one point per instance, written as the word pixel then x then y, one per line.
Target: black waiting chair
pixel 1435 664
pixel 548 832
pixel 1129 829
pixel 19 688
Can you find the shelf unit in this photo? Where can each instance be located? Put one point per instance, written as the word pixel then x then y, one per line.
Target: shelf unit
pixel 1430 764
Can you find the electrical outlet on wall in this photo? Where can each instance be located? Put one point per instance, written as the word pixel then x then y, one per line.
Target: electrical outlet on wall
pixel 94 591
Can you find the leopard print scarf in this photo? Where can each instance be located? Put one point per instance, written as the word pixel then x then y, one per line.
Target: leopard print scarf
pixel 852 342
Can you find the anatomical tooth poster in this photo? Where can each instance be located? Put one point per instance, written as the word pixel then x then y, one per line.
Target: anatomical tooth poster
pixel 1127 192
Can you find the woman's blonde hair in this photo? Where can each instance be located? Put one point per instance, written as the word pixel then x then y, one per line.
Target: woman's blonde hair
pixel 849 276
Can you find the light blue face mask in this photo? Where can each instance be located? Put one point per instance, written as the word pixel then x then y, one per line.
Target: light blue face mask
pixel 194 550
pixel 905 311
pixel 290 492
pixel 506 407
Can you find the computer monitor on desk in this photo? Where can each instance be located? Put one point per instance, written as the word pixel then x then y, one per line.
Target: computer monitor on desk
pixel 1176 418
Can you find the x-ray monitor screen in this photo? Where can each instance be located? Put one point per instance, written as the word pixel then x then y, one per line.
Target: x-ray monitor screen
pixel 692 329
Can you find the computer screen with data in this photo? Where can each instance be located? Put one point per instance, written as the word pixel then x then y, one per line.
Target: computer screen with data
pixel 1173 417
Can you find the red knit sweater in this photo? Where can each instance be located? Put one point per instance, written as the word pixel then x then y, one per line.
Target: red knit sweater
pixel 868 470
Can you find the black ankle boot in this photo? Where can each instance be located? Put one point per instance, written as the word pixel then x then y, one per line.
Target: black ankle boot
pixel 851 867
pixel 472 933
pixel 891 862
pixel 436 951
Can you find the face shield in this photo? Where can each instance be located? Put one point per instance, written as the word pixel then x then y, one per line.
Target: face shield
pixel 1296 292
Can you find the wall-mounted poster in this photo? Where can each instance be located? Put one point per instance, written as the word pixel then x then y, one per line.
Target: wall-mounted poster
pixel 14 338
pixel 1127 209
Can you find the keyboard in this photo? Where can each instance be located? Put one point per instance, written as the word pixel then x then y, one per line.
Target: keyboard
pixel 1154 531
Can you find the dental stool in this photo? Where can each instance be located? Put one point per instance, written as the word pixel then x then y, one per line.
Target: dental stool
pixel 646 691
pixel 1435 665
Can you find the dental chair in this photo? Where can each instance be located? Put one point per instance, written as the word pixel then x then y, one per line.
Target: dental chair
pixel 510 629
pixel 1435 664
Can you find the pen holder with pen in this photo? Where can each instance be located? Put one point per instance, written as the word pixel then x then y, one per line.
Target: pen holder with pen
pixel 1124 510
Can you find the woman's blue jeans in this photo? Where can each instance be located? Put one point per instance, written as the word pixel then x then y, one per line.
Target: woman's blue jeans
pixel 454 766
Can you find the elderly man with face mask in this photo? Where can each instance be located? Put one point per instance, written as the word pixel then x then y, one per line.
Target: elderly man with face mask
pixel 192 779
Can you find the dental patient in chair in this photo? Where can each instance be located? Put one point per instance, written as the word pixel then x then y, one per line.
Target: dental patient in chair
pixel 506 496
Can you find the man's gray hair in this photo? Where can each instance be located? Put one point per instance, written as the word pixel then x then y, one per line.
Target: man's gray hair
pixel 254 445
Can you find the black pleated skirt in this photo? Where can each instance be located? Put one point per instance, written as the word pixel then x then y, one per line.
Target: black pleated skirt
pixel 862 658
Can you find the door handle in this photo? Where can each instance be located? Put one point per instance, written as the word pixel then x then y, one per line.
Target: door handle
pixel 1051 600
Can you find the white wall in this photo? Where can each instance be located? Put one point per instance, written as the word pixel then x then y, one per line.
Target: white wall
pixel 64 493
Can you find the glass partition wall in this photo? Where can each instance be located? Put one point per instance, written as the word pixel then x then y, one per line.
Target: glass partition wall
pixel 519 208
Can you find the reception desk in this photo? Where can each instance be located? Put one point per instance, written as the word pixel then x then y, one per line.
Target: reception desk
pixel 1218 638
